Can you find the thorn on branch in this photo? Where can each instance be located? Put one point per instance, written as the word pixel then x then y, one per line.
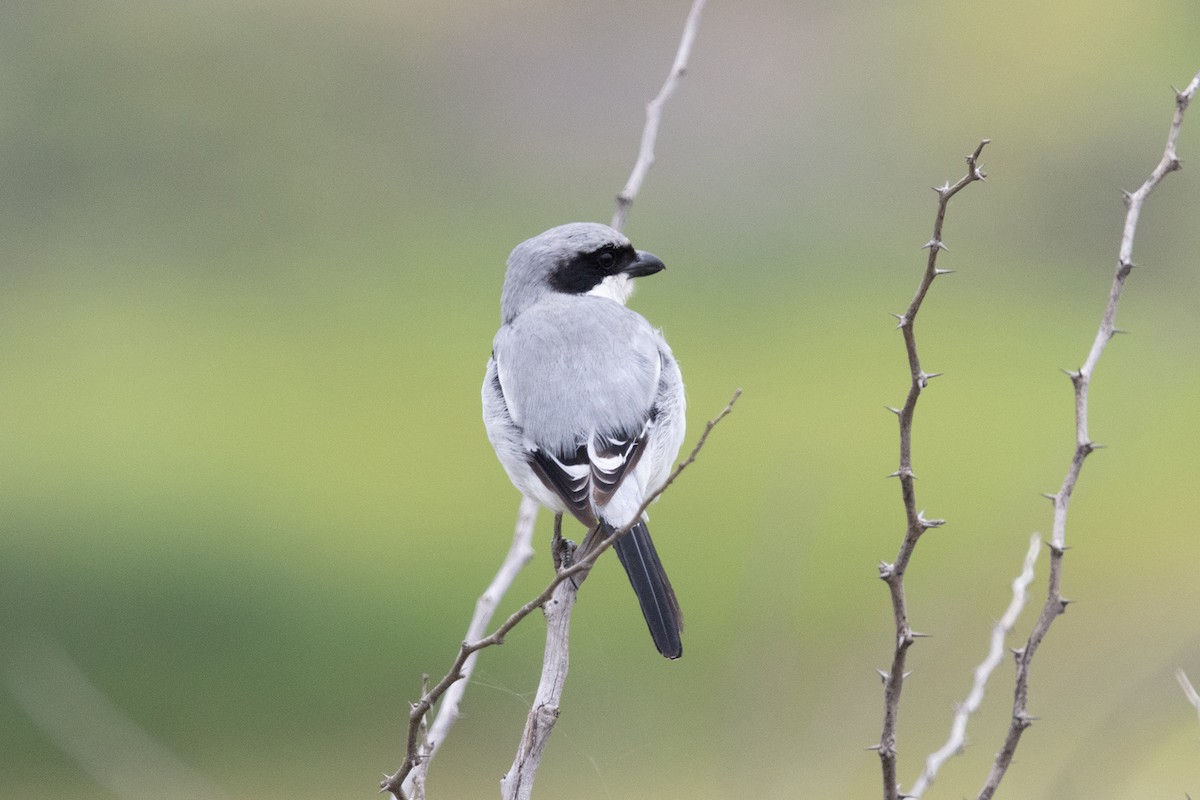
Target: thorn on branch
pixel 973 164
pixel 929 523
pixel 1075 375
pixel 893 573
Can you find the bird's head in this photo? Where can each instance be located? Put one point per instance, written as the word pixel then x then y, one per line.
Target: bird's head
pixel 576 258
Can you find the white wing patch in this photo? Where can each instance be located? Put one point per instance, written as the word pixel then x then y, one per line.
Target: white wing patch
pixel 587 480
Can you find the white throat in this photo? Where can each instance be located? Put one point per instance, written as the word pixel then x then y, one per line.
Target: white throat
pixel 615 287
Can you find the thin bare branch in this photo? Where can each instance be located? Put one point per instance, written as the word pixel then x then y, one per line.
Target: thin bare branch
pixel 1081 379
pixel 393 783
pixel 1189 691
pixel 423 744
pixel 893 574
pixel 112 749
pixel 645 157
pixel 517 783
pixel 958 728
pixel 520 553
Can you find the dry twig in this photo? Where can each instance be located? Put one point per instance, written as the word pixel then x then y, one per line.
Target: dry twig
pixel 393 783
pixel 893 573
pixel 1056 604
pixel 558 601
pixel 423 743
pixel 1189 691
pixel 958 729
pixel 517 783
pixel 645 157
pixel 520 553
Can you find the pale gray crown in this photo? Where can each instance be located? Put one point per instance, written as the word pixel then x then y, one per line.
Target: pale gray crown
pixel 558 261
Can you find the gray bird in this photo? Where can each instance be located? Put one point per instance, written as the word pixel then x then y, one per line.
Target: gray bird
pixel 583 400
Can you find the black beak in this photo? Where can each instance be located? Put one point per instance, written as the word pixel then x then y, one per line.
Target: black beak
pixel 646 264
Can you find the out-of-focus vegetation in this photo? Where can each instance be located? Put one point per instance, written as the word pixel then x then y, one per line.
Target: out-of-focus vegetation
pixel 251 256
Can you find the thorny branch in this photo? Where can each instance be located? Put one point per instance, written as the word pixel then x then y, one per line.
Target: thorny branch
pixel 893 574
pixel 1056 604
pixel 393 783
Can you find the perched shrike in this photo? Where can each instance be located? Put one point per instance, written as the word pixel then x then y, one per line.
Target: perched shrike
pixel 583 400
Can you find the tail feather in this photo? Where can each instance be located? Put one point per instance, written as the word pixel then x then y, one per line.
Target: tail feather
pixel 653 589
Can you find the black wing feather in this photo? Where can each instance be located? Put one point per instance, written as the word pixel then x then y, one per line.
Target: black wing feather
pixel 573 489
pixel 626 449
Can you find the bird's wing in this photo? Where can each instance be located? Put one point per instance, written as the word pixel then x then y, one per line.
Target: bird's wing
pixel 613 457
pixel 588 479
pixel 568 478
pixel 580 381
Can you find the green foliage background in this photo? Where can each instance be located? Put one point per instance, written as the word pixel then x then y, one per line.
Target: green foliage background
pixel 251 256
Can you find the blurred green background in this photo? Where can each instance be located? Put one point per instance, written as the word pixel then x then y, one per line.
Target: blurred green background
pixel 251 259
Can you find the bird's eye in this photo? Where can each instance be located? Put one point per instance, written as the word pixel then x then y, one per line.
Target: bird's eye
pixel 605 260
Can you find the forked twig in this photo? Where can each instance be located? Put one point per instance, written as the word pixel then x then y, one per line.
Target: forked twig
pixel 517 783
pixel 393 783
pixel 423 744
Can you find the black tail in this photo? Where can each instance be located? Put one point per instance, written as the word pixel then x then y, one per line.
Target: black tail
pixel 654 592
